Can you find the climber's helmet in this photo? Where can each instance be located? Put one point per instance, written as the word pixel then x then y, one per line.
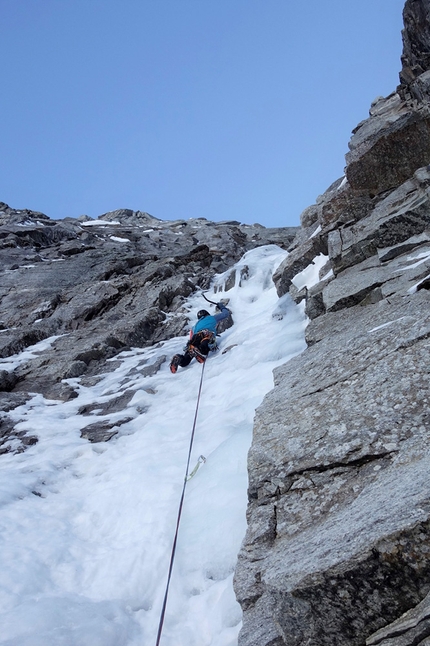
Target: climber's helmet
pixel 201 314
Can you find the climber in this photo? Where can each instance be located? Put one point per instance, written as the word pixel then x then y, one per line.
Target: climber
pixel 203 338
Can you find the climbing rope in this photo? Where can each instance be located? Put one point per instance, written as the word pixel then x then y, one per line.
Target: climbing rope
pixel 178 520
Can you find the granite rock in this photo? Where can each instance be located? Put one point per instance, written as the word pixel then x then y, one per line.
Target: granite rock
pixel 92 288
pixel 338 540
pixel 339 513
pixel 411 628
pixel 416 40
pixel 387 148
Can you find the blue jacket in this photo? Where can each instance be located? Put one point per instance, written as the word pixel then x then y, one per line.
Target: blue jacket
pixel 210 322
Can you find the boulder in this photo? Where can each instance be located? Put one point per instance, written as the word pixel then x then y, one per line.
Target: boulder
pixel 345 206
pixel 102 431
pixel 296 261
pixel 403 214
pixel 309 216
pixel 386 149
pixel 76 369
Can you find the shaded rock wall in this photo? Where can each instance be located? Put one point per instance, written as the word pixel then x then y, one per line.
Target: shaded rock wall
pixel 338 541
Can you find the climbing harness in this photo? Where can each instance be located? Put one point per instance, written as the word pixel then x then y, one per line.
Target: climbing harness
pixel 194 346
pixel 202 336
pixel 181 502
pixel 196 354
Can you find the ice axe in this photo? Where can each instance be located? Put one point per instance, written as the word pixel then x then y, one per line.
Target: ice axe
pixel 206 299
pixel 212 302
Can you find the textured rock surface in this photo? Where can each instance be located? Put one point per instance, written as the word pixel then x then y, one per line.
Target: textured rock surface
pixel 412 627
pixel 416 40
pixel 338 541
pixel 95 287
pixel 339 480
pixel 390 146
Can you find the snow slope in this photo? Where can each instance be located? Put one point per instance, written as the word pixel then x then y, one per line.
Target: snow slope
pixel 87 529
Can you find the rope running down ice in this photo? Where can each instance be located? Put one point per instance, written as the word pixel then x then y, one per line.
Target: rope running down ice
pixel 175 540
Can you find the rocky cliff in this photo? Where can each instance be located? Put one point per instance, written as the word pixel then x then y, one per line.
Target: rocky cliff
pixel 92 288
pixel 338 542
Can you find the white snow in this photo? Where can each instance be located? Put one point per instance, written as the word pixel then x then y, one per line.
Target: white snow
pixel 310 275
pixel 420 258
pixel 94 223
pixel 329 274
pixel 87 529
pixel 380 327
pixel 414 288
pixel 12 362
pixel 116 239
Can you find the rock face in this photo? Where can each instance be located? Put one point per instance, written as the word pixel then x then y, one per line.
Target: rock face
pixel 89 289
pixel 338 540
pixel 416 41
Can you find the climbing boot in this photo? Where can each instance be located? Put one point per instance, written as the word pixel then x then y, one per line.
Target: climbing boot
pixel 175 363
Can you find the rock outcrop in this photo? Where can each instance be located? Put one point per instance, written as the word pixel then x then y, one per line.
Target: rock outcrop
pixel 338 540
pixel 88 289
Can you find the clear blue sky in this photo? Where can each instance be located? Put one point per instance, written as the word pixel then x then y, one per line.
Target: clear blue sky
pixel 224 109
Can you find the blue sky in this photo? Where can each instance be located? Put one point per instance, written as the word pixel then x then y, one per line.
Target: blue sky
pixel 224 109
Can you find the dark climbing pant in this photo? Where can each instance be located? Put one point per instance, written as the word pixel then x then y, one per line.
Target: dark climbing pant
pixel 201 342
